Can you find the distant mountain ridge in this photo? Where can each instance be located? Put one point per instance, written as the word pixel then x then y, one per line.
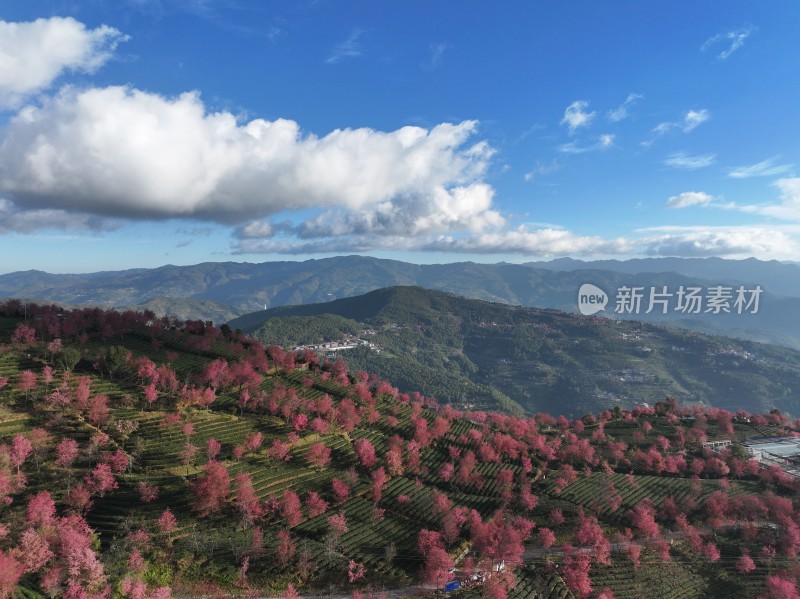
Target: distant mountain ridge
pixel 240 288
pixel 780 278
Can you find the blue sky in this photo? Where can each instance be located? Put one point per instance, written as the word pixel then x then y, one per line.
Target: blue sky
pixel 137 133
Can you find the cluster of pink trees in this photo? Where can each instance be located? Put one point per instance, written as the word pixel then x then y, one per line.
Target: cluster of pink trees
pixel 56 550
pixel 521 448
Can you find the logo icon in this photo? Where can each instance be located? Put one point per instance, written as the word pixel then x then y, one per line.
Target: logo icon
pixel 591 299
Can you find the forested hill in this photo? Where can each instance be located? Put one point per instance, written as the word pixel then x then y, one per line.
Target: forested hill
pixel 491 355
pixel 145 458
pixel 219 291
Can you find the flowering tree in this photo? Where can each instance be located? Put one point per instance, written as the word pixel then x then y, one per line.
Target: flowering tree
pixel 213 448
pixel 780 587
pixel 188 455
pixel 365 452
pixel 643 518
pixel 546 537
pixel 41 509
pixel 528 500
pixel 118 461
pixel 338 523
pixel 355 571
pixel 466 468
pixel 166 379
pixel 147 493
pixel 437 565
pixel 101 480
pixel 98 410
pixel 319 455
pixel 501 539
pixel 145 369
pixel 27 381
pixel 576 573
pixel 291 508
pixel 21 449
pixel 340 489
pixel 315 504
pixel 280 451
pixel 10 572
pixel 23 334
pixel 378 480
pixel 556 517
pixel 285 549
pixel 150 394
pixel 633 551
pixel 253 441
pixel 745 563
pixel 216 374
pixel 84 572
pixel 33 550
pixel 79 498
pixel 167 521
pixel 246 499
pixel 211 490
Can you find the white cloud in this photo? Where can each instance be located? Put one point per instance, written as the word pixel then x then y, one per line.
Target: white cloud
pixel 604 142
pixel 731 242
pixel 788 207
pixel 34 54
pixel 691 120
pixel 435 58
pixel 620 113
pixel 545 242
pixel 542 169
pixel 689 198
pixel 765 168
pixel 14 220
pixel 542 242
pixel 684 161
pixel 122 152
pixel 457 209
pixel 575 115
pixel 460 208
pixel 552 241
pixel 735 38
pixel 695 118
pixel 255 230
pixel 196 231
pixel 349 48
pixel 349 244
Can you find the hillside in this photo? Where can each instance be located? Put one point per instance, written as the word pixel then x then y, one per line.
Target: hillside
pixel 240 288
pixel 145 458
pixel 490 355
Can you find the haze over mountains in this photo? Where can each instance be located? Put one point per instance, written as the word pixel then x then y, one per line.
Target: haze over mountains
pixel 222 291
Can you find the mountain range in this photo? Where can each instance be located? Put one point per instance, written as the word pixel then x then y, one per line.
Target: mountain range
pixel 220 291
